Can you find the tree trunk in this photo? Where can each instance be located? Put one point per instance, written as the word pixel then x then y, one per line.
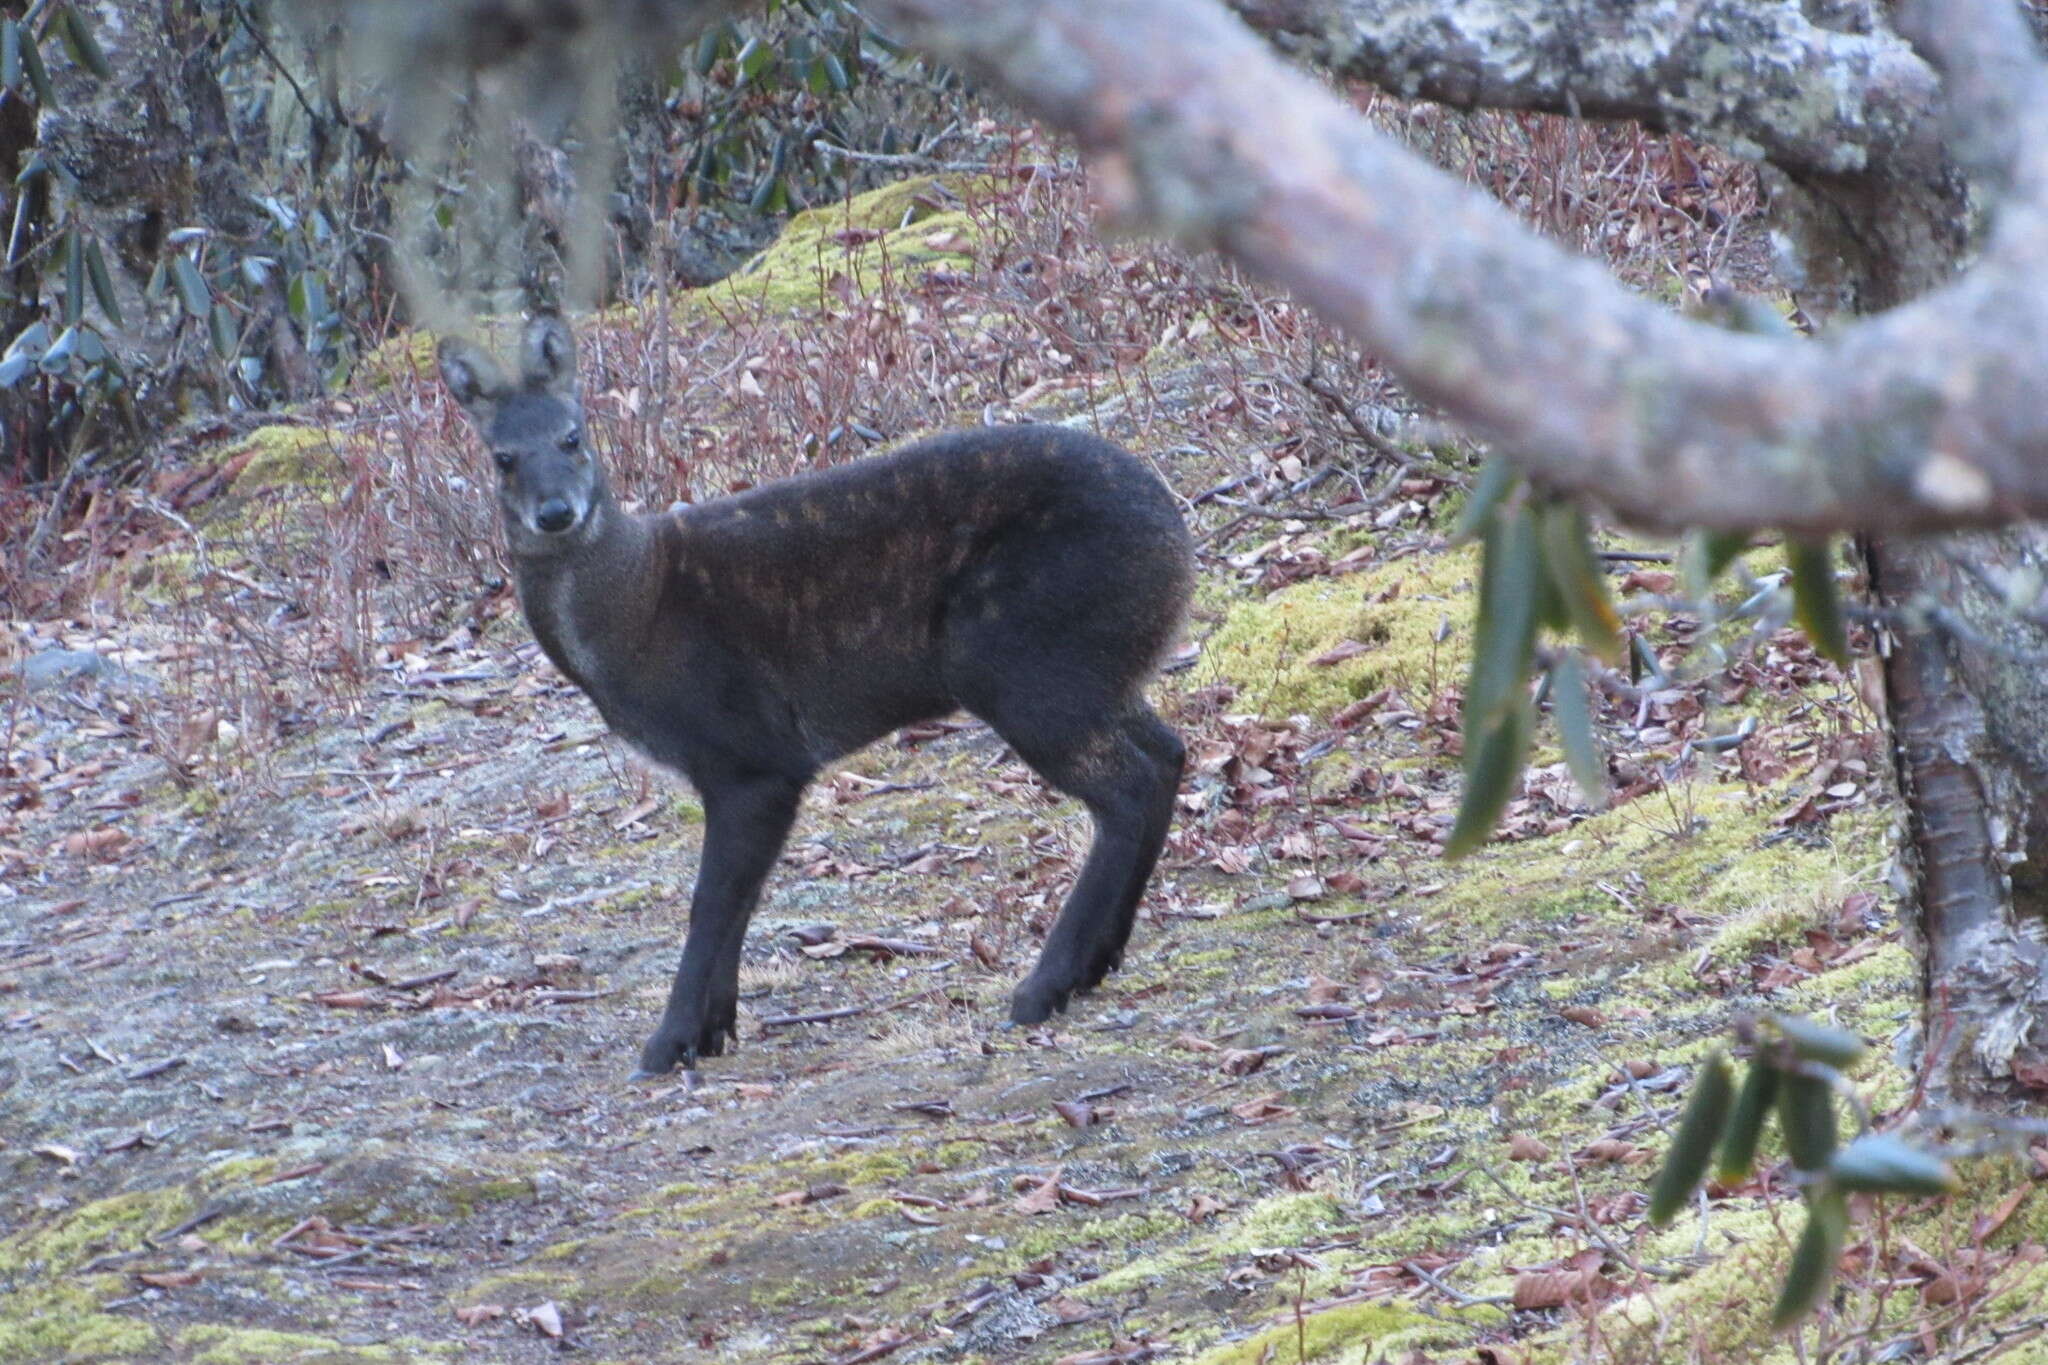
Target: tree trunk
pixel 1968 692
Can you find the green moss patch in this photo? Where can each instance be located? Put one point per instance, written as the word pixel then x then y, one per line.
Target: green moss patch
pixel 1355 1334
pixel 899 232
pixel 293 456
pixel 1268 648
pixel 61 1322
pixel 211 1344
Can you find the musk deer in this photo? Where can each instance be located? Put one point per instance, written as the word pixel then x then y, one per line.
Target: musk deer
pixel 1030 575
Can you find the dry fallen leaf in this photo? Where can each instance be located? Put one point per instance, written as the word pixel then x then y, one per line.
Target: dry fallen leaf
pixel 1987 1224
pixel 639 811
pixel 1555 1288
pixel 479 1313
pixel 1204 1208
pixel 1041 1198
pixel 1522 1147
pixel 1238 1061
pixel 1263 1109
pixel 545 1319
pixel 1322 990
pixel 1338 653
pixel 170 1279
pixel 1584 1014
pixel 1077 1113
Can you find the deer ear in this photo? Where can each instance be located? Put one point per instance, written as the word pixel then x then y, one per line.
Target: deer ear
pixel 548 356
pixel 473 378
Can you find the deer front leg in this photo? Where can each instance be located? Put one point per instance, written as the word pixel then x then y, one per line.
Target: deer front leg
pixel 745 822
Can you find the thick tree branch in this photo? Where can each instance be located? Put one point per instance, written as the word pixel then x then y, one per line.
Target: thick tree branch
pixel 1932 415
pixel 1760 79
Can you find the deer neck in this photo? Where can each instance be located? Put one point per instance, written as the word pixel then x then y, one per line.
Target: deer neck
pixel 589 600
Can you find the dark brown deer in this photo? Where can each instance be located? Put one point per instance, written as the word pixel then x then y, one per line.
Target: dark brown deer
pixel 1030 575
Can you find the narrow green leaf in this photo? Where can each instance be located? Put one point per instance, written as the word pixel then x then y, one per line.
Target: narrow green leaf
pixel 1494 759
pixel 1806 1113
pixel 1571 706
pixel 192 288
pixel 1819 1042
pixel 18 235
pixel 38 74
pixel 10 53
pixel 764 194
pixel 74 275
pixel 1815 599
pixel 1692 1147
pixel 1878 1163
pixel 754 58
pixel 1551 613
pixel 79 41
pixel 709 45
pixel 103 283
pixel 850 60
pixel 1746 1124
pixel 1510 577
pixel 1575 568
pixel 13 368
pixel 220 326
pixel 1813 1258
pixel 1496 477
pixel 835 73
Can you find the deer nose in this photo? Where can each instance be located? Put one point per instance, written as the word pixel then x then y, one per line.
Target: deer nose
pixel 554 515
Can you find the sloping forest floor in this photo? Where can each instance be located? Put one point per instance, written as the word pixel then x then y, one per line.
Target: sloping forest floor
pixel 332 922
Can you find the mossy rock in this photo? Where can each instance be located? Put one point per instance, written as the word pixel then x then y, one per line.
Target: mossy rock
pixel 899 233
pixel 118 1223
pixel 1267 648
pixel 288 457
pixel 60 1322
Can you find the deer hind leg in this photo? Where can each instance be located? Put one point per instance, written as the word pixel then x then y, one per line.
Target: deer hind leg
pixel 1124 765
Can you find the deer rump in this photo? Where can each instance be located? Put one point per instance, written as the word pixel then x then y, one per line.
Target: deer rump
pixel 1029 575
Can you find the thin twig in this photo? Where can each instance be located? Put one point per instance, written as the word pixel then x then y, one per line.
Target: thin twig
pixel 1459 1297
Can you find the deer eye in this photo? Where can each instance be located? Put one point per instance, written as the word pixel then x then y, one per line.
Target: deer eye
pixel 504 460
pixel 572 441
